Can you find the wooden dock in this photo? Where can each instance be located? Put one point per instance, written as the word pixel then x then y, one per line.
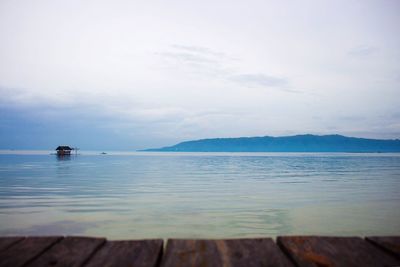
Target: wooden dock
pixel 288 251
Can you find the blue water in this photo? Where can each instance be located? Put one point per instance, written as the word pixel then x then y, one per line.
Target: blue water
pixel 199 195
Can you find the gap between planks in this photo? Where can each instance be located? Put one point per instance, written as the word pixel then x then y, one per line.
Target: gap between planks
pixel 286 251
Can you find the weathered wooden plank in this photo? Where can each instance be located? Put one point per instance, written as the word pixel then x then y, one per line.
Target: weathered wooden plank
pixel 26 250
pixel 140 253
pixel 252 252
pixel 233 252
pixel 334 251
pixel 388 243
pixel 181 252
pixel 6 242
pixel 69 252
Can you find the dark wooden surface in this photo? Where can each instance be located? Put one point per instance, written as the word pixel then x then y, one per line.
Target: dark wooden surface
pixel 388 243
pixel 288 251
pixel 145 253
pixel 316 251
pixel 69 252
pixel 26 250
pixel 7 242
pixel 234 252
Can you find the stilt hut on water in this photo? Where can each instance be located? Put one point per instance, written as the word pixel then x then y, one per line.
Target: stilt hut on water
pixel 64 150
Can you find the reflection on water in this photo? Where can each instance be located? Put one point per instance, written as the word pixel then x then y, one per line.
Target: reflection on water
pixel 63 157
pixel 147 195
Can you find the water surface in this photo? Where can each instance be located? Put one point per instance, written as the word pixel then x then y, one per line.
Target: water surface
pixel 199 195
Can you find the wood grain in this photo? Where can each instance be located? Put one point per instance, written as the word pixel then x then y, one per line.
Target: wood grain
pixel 316 251
pixel 390 244
pixel 141 253
pixel 7 242
pixel 69 252
pixel 228 253
pixel 26 250
pixel 180 252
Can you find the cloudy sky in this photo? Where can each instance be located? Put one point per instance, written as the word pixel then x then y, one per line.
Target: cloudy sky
pixel 137 74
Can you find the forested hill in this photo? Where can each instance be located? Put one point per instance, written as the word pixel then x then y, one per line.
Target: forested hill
pixel 297 143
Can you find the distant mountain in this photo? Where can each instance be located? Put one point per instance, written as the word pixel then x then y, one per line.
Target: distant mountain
pixel 296 143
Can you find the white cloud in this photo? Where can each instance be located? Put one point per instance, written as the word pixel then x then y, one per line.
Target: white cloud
pixel 259 80
pixel 362 50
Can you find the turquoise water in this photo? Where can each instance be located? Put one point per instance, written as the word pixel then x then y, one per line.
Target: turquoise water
pixel 199 195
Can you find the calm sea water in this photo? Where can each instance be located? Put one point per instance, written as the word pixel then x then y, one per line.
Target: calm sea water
pixel 199 195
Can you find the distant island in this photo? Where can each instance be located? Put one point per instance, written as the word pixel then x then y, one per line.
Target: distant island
pixel 296 143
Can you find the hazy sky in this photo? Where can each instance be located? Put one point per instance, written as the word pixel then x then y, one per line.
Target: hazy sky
pixel 137 74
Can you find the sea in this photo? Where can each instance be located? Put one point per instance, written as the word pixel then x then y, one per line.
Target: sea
pixel 137 195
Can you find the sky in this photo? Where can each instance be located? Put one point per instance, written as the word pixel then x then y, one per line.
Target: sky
pixel 129 75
